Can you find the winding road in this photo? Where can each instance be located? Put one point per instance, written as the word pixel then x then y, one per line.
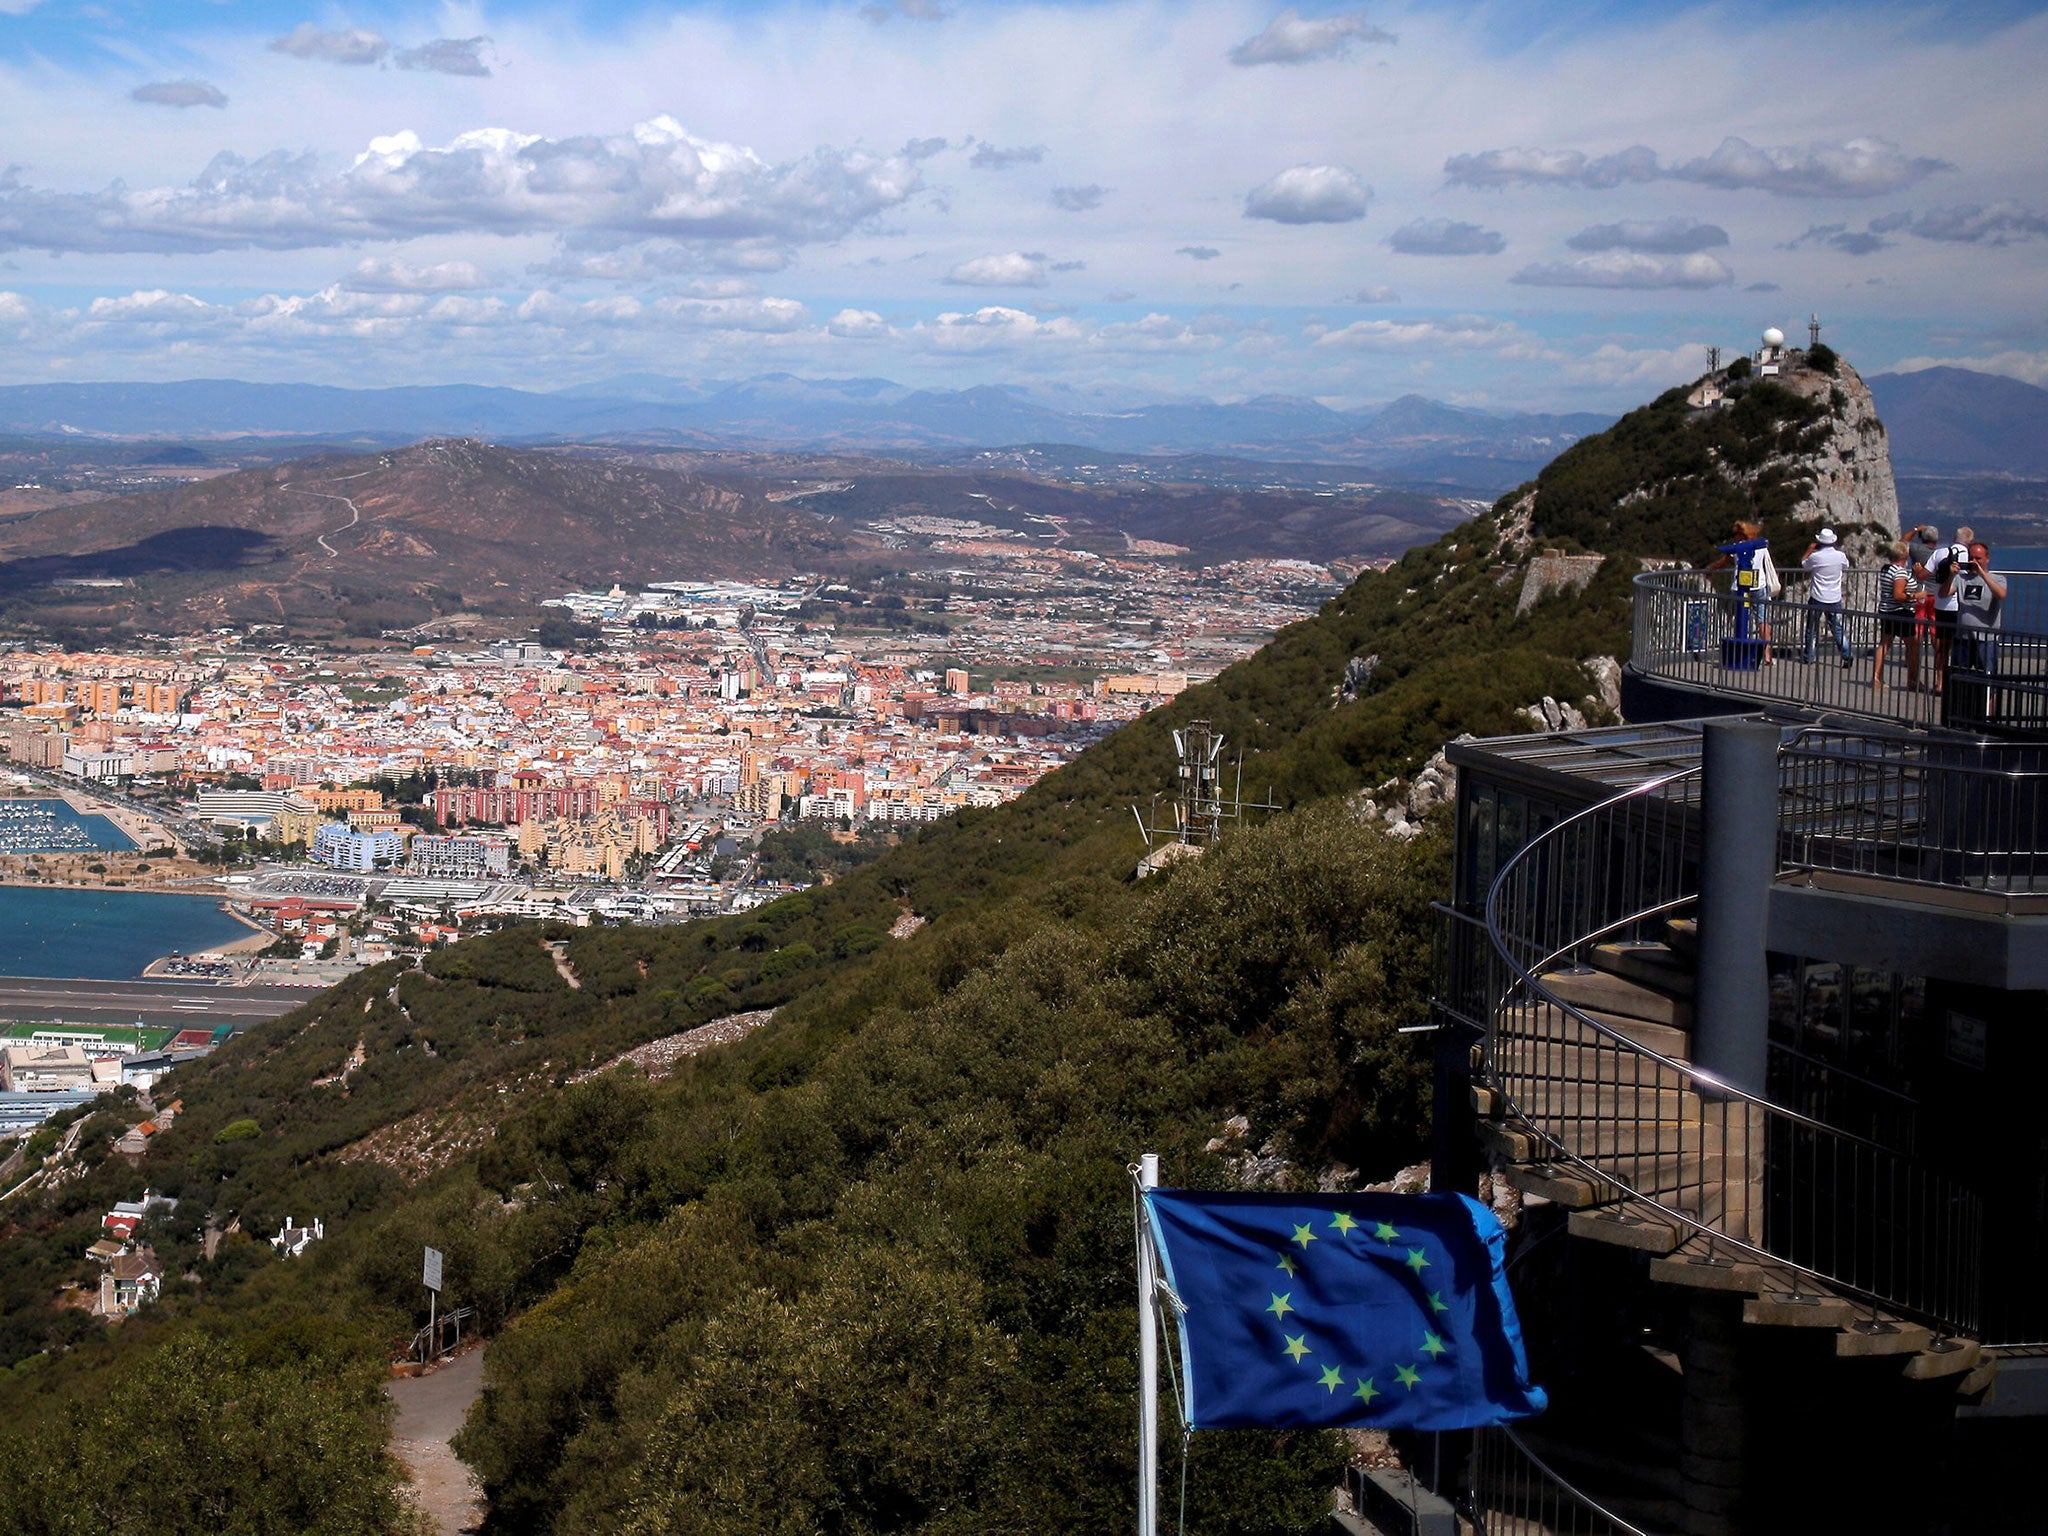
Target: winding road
pixel 354 513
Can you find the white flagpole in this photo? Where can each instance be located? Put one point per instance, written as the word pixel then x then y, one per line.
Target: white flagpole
pixel 1148 1361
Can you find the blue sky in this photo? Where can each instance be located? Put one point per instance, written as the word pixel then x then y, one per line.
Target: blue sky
pixel 1125 199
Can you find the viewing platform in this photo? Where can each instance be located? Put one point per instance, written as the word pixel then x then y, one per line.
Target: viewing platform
pixel 1686 655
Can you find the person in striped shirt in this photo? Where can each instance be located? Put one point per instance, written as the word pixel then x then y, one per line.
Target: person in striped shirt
pixel 1897 601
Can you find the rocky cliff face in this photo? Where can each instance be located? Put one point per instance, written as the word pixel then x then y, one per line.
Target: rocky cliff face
pixel 1851 470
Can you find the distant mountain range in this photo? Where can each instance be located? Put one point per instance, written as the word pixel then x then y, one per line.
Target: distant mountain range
pixel 1942 421
pixel 1954 421
pixel 1411 440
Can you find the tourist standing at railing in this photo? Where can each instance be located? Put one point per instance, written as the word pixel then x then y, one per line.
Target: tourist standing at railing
pixel 1898 599
pixel 1980 605
pixel 1750 554
pixel 1825 565
pixel 1939 573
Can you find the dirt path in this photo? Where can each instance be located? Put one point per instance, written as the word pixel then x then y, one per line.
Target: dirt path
pixel 354 515
pixel 430 1411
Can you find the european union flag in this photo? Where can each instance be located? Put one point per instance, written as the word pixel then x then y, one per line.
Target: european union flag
pixel 1359 1311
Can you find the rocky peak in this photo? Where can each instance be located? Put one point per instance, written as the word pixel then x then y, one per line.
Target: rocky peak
pixel 1851 470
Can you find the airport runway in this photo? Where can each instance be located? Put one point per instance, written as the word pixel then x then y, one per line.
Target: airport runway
pixel 179 1005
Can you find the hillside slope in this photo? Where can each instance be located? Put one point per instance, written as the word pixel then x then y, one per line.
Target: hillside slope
pixel 867 1269
pixel 359 544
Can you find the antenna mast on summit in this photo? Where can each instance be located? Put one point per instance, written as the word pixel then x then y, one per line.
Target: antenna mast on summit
pixel 1813 333
pixel 1713 359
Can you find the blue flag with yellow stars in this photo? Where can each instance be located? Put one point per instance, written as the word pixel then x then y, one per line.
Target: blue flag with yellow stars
pixel 1353 1311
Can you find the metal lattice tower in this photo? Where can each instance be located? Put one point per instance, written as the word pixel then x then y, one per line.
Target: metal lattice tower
pixel 1813 333
pixel 1201 808
pixel 1713 359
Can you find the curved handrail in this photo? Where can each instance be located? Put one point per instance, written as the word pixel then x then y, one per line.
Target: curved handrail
pixel 1616 1526
pixel 1528 958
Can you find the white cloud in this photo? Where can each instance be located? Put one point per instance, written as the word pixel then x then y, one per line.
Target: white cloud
pixel 385 274
pixel 1291 39
pixel 659 181
pixel 1197 252
pixel 1378 294
pixel 1864 167
pixel 995 328
pixel 1628 269
pixel 857 324
pixel 1158 333
pixel 349 46
pixel 910 10
pixel 1310 194
pixel 1457 333
pixel 1446 237
pixel 987 157
pixel 1853 168
pixel 447 56
pixel 1661 237
pixel 1014 270
pixel 179 93
pixel 1973 224
pixel 1642 369
pixel 766 315
pixel 1557 167
pixel 1078 199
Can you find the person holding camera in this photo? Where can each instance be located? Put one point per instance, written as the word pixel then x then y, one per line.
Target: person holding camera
pixel 1979 594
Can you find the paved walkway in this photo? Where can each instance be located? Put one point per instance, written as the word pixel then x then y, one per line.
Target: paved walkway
pixel 430 1411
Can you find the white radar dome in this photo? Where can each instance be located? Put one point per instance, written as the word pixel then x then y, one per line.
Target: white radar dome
pixel 1774 337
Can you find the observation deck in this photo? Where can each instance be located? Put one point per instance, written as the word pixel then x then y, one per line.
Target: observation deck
pixel 1686 659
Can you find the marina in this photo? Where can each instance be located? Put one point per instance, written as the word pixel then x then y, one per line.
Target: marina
pixel 46 824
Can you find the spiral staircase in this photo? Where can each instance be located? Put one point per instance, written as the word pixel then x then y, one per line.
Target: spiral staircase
pixel 1588 1096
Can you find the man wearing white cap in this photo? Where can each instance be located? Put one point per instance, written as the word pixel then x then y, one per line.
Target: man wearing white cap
pixel 1825 563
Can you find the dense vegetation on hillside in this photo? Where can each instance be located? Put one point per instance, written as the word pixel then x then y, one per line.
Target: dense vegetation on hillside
pixel 868 1269
pixel 1668 481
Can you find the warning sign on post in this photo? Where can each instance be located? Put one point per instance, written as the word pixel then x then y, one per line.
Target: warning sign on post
pixel 432 1276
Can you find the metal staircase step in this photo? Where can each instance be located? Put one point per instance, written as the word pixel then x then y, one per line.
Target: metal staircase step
pixel 1655 965
pixel 1620 1226
pixel 1944 1357
pixel 1683 935
pixel 1881 1336
pixel 1561 1184
pixel 1617 994
pixel 1694 1266
pixel 1544 1021
pixel 1794 1309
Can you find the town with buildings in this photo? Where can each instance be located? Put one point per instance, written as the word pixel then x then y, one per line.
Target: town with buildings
pixel 407 793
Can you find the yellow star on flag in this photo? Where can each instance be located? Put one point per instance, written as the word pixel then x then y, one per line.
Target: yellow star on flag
pixel 1342 1222
pixel 1332 1379
pixel 1432 1346
pixel 1407 1375
pixel 1365 1392
pixel 1385 1233
pixel 1416 1261
pixel 1437 1302
pixel 1286 1263
pixel 1281 1305
pixel 1296 1347
pixel 1303 1236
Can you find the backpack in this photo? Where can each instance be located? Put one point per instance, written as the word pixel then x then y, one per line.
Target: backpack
pixel 1945 567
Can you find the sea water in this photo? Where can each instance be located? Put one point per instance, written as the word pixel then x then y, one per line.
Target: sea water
pixel 104 935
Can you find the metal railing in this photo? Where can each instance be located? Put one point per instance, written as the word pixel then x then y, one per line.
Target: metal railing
pixel 1963 814
pixel 1516 1493
pixel 1760 1181
pixel 1693 633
